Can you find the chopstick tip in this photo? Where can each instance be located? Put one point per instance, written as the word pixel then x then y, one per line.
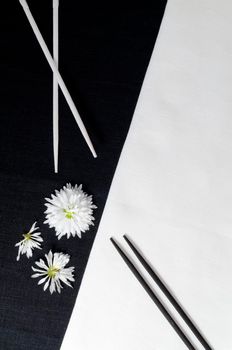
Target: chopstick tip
pixel 93 152
pixel 115 244
pixel 126 238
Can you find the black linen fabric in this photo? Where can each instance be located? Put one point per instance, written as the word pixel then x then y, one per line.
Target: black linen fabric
pixel 104 53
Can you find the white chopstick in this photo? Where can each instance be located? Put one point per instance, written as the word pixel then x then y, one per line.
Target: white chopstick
pixel 55 84
pixel 58 76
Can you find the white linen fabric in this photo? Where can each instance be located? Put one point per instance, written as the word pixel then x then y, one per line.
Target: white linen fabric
pixel 171 193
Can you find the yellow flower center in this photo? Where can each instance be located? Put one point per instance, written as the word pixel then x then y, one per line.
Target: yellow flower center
pixel 27 236
pixel 52 271
pixel 69 214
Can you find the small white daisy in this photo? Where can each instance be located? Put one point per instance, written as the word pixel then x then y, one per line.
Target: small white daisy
pixel 54 271
pixel 31 240
pixel 69 211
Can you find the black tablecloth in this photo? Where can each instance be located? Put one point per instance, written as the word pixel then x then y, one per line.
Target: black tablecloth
pixel 104 53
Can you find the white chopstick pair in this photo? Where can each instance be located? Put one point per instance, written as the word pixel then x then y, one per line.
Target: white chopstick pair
pixel 57 79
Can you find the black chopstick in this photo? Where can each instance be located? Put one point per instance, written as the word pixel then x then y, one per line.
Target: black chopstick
pixel 153 297
pixel 169 296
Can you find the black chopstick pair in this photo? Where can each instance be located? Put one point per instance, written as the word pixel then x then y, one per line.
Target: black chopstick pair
pixel 166 292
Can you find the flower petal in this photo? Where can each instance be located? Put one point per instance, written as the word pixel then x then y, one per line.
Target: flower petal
pixel 43 279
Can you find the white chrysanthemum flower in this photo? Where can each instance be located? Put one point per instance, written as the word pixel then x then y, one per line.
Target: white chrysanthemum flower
pixel 69 211
pixel 31 240
pixel 54 272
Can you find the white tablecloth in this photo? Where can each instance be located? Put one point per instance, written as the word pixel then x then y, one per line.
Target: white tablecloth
pixel 171 193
